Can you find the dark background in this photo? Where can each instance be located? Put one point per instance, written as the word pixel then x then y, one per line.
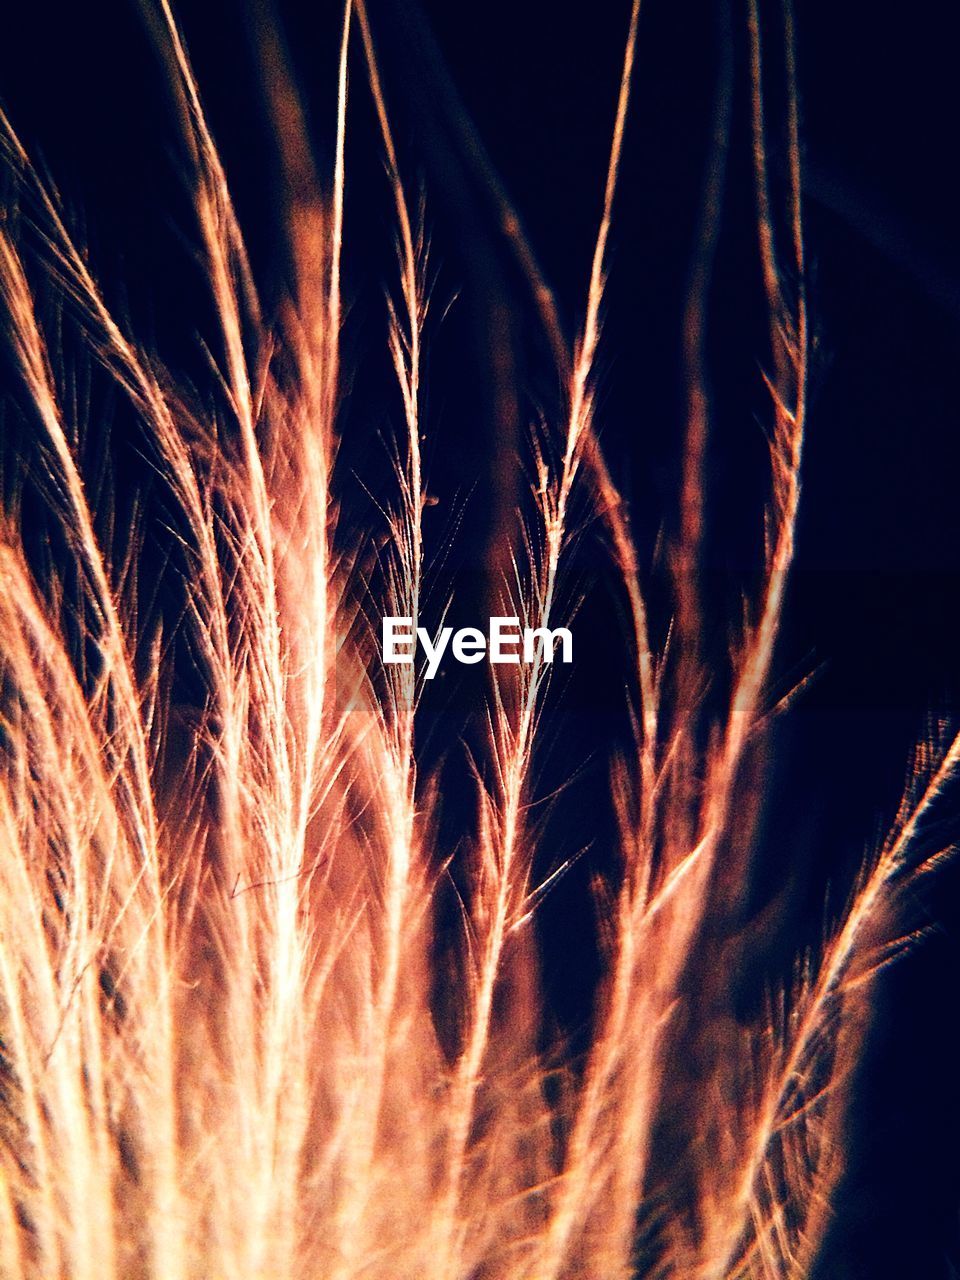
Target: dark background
pixel 873 605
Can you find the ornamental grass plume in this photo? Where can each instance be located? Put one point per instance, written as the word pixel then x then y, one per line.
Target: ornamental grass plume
pixel 220 931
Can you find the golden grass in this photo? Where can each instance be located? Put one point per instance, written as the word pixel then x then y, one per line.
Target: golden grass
pixel 219 1052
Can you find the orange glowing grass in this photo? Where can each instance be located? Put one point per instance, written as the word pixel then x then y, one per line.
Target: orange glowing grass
pixel 220 1054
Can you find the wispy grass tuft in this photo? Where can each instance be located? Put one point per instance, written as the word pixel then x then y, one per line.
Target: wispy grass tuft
pixel 218 914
